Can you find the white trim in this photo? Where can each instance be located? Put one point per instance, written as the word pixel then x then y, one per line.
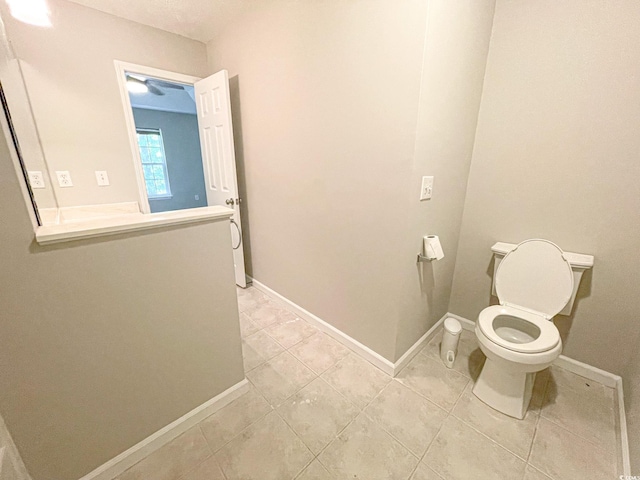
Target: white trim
pixel 11 464
pixel 119 464
pixel 589 372
pixel 121 68
pixel 131 222
pixel 358 348
pixel 362 350
pixel 415 348
pixel 624 435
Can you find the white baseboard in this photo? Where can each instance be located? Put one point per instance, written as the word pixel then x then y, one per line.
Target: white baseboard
pixel 588 371
pixel 358 348
pixel 11 464
pixel 624 436
pixel 119 464
pixel 365 352
pixel 416 347
pixel 592 373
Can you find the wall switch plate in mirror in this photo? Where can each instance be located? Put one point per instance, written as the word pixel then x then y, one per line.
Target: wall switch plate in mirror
pixel 102 178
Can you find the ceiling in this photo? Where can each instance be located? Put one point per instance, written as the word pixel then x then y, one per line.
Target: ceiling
pixel 196 19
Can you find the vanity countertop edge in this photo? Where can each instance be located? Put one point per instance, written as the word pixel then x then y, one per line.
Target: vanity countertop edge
pixel 132 222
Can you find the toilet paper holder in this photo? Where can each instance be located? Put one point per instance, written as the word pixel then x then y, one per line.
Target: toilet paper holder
pixel 423 258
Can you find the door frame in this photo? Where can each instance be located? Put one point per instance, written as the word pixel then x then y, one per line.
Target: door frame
pixel 121 69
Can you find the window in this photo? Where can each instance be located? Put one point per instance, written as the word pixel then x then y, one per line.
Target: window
pixel 154 163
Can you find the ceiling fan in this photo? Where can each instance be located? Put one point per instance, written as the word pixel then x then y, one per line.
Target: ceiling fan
pixel 141 84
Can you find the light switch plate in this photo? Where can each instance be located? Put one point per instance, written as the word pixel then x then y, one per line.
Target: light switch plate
pixel 64 178
pixel 102 178
pixel 426 190
pixel 36 179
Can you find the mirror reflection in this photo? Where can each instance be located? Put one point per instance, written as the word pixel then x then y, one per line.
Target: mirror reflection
pixel 125 138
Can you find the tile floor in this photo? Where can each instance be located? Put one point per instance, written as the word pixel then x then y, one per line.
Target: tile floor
pixel 316 411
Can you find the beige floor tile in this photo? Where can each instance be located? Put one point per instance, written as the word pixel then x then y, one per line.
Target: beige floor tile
pixel 208 470
pixel 173 460
pixel 409 417
pixel 280 377
pixel 247 326
pixel 364 450
pixel 250 298
pixel 317 413
pixel 460 453
pixel 433 380
pixel 258 348
pixel 267 450
pixel 469 359
pixel 315 471
pixel 356 379
pixel 561 454
pixel 513 434
pixel 290 331
pixel 425 473
pixel 582 406
pixel 268 313
pixel 228 422
pixel 533 474
pixel 319 352
pixel 250 358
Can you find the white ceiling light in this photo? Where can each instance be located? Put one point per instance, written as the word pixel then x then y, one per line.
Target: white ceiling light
pixel 33 12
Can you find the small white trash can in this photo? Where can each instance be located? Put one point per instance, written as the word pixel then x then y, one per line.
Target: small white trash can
pixel 450 339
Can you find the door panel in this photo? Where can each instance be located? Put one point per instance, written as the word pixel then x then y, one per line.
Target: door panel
pixel 218 155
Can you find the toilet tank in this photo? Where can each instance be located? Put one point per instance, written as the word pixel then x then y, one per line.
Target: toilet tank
pixel 579 263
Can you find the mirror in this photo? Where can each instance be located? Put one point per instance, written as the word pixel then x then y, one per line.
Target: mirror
pixel 65 99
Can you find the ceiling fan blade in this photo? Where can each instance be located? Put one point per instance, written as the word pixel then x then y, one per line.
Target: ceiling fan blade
pixel 163 84
pixel 153 89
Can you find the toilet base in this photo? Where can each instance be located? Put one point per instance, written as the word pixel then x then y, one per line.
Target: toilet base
pixel 503 389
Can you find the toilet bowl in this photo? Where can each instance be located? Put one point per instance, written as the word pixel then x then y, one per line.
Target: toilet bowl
pixel 533 282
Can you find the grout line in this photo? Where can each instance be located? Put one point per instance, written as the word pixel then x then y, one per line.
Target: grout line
pixel 535 430
pixel 437 434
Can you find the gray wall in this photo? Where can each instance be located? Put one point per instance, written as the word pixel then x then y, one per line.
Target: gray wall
pixel 557 156
pixel 72 85
pixel 105 341
pixel 184 158
pixel 328 97
pixel 455 55
pixel 336 130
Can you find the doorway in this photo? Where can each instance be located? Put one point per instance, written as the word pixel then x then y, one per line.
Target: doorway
pixel 181 135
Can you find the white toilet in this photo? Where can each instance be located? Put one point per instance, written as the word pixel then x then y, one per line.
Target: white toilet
pixel 534 282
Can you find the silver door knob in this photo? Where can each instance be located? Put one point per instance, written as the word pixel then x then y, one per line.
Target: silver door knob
pixel 229 201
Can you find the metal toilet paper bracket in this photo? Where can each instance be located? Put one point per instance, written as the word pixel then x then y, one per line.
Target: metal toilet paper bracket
pixel 422 258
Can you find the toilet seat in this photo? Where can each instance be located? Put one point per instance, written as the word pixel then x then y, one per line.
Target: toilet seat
pixel 534 282
pixel 547 338
pixel 536 277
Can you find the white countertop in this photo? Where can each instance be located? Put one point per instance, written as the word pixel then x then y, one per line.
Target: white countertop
pixel 129 222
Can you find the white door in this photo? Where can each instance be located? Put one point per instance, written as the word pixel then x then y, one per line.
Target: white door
pixel 218 156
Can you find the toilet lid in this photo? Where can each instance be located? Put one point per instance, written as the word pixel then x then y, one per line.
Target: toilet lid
pixel 536 276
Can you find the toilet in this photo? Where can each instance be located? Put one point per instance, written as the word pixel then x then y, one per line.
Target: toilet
pixel 534 281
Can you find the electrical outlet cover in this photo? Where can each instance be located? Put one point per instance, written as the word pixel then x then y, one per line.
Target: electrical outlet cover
pixel 64 178
pixel 36 179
